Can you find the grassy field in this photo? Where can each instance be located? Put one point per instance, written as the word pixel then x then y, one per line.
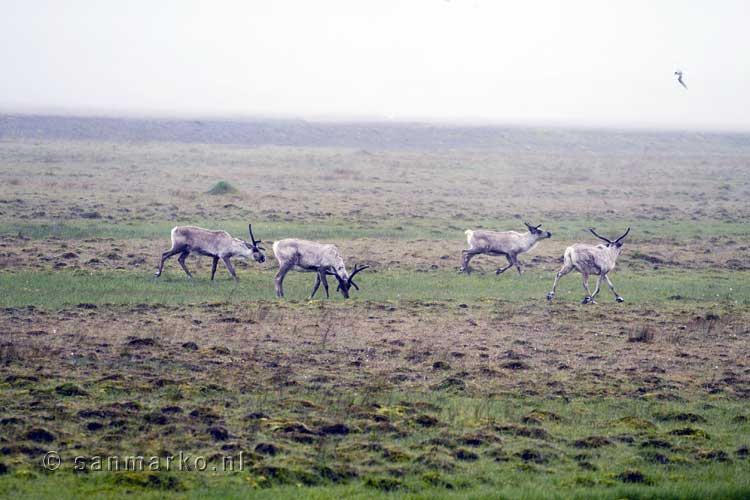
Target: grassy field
pixel 427 383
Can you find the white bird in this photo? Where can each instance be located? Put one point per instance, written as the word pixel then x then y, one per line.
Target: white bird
pixel 679 78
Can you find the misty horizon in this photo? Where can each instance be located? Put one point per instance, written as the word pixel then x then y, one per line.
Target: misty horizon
pixel 458 62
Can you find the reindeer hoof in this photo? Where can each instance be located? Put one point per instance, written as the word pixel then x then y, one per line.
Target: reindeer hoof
pixel 499 272
pixel 156 275
pixel 619 299
pixel 550 295
pixel 587 300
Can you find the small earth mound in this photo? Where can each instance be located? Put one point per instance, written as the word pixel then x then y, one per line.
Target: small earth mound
pixel 338 429
pixel 655 457
pixel 40 435
pixel 516 365
pixel 69 389
pixel 535 456
pixel 141 342
pixel 218 433
pixel 536 417
pixel 295 427
pixel 426 420
pixel 190 346
pixel 383 483
pixel 592 442
pixel 205 415
pixel 656 443
pixel 220 188
pixel 681 417
pixel 440 365
pixel 267 449
pixel 523 431
pixel 632 476
pixel 465 455
pixel 636 423
pixel 451 384
pixel 689 432
pixel 711 454
pixel 156 418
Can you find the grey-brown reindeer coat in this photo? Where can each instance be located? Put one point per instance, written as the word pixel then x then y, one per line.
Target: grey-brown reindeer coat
pixel 507 243
pixel 310 256
pixel 216 244
pixel 598 260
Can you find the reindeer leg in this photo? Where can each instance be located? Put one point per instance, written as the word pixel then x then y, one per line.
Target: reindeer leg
pixel 587 299
pixel 612 287
pixel 181 260
pixel 510 264
pixel 596 289
pixel 315 286
pixel 325 283
pixel 225 259
pixel 565 269
pixel 466 256
pixel 165 256
pixel 213 267
pixel 514 258
pixel 279 278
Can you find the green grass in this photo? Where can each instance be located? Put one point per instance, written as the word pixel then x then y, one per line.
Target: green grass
pixel 54 289
pixel 686 477
pixel 403 229
pixel 727 485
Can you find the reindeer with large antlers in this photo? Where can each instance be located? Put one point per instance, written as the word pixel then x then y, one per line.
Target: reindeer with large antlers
pixel 590 259
pixel 508 243
pixel 216 244
pixel 309 256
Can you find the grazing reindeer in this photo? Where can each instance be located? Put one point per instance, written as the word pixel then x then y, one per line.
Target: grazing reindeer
pixel 508 243
pixel 590 259
pixel 216 244
pixel 310 256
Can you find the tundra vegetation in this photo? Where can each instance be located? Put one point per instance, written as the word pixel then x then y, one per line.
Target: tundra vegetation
pixel 426 383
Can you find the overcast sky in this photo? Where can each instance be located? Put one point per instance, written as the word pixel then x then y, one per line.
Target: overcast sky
pixel 473 61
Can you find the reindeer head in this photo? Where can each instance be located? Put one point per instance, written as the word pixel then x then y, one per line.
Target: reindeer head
pixel 538 233
pixel 346 282
pixel 616 244
pixel 256 251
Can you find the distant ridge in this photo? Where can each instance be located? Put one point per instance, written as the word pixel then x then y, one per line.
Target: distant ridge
pixel 374 136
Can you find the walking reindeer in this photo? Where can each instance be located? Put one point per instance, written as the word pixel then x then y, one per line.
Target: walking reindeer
pixel 309 256
pixel 508 243
pixel 216 244
pixel 591 259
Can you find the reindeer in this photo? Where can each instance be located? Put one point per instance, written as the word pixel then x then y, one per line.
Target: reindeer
pixel 216 244
pixel 309 256
pixel 508 243
pixel 590 259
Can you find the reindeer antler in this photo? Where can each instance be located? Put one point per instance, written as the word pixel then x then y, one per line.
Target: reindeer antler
pixel 252 238
pixel 621 237
pixel 600 237
pixel 355 271
pixel 357 268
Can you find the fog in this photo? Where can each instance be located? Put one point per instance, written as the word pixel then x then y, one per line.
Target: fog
pixel 583 63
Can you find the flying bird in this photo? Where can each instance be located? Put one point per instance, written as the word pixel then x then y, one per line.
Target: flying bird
pixel 679 78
